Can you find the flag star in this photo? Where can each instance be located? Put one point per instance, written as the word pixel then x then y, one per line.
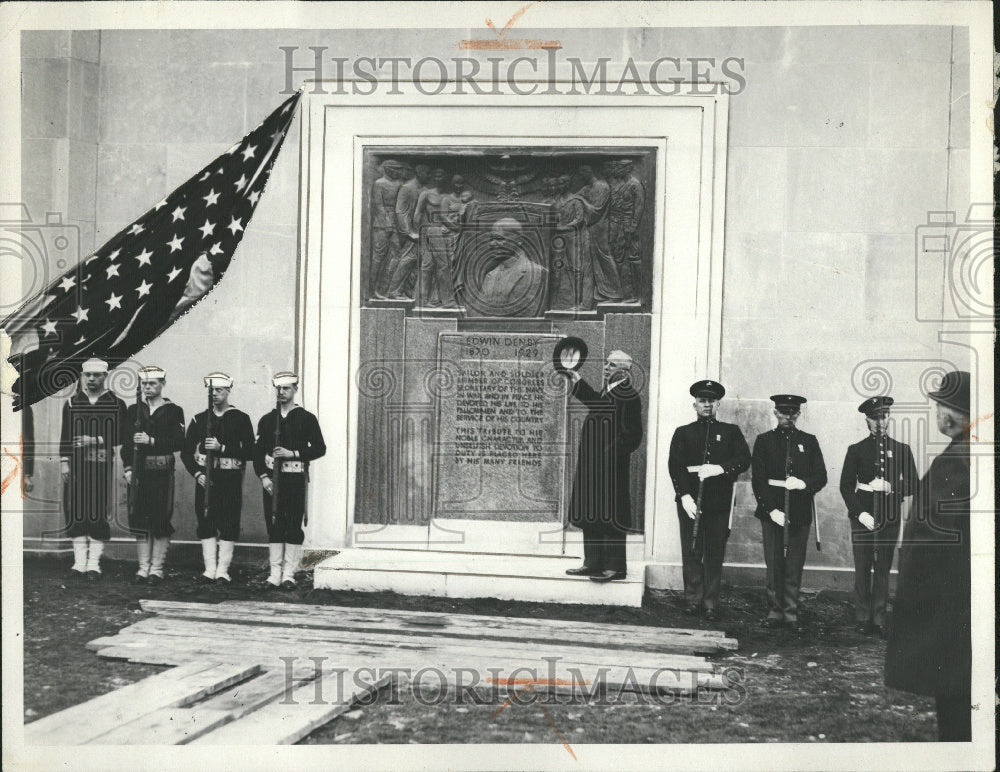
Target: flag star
pixel 136 228
pixel 204 177
pixel 241 182
pixel 80 314
pixel 112 270
pixel 277 135
pixel 82 339
pixel 49 327
pixel 286 108
pixel 67 283
pixel 248 152
pixel 160 205
pixel 175 244
pixel 216 248
pixel 115 301
pixel 178 213
pixel 206 229
pixel 254 196
pixel 51 355
pixel 144 288
pixel 173 274
pixel 211 198
pixel 235 225
pixel 114 255
pixel 143 257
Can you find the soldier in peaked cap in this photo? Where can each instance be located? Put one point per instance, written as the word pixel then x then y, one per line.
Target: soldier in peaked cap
pixel 154 433
pixel 930 637
pixel 878 473
pixel 224 437
pixel 92 423
pixel 786 459
pixel 288 438
pixel 706 457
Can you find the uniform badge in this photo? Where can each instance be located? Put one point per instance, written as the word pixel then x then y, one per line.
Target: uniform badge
pixel 889 453
pixel 718 438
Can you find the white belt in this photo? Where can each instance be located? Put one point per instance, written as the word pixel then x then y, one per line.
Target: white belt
pixel 286 466
pixel 219 463
pixel 694 469
pixel 777 483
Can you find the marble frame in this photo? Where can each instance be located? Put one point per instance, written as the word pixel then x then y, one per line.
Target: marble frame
pixel 687 273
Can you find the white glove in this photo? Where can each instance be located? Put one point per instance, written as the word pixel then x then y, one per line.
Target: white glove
pixel 569 357
pixel 880 485
pixel 64 469
pixel 795 484
pixel 689 506
pixel 867 521
pixel 778 517
pixel 710 470
pixel 128 476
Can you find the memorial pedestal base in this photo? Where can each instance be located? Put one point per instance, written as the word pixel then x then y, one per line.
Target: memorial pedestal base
pixel 439 312
pixel 618 307
pixel 390 303
pixel 582 316
pixel 468 575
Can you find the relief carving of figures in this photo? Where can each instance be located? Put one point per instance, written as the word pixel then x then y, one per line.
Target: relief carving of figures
pixel 597 193
pixel 402 283
pixel 385 239
pixel 572 238
pixel 625 209
pixel 436 287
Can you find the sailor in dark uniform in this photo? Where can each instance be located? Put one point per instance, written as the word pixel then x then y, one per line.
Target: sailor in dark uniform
pixel 226 434
pixel 92 423
pixel 786 459
pixel 878 473
pixel 301 441
pixel 706 457
pixel 155 432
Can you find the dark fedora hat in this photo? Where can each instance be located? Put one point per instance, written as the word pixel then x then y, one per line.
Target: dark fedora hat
pixel 953 391
pixel 573 350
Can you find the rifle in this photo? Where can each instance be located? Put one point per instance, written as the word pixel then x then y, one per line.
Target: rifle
pixel 788 493
pixel 133 493
pixel 701 489
pixel 277 462
pixel 878 502
pixel 209 454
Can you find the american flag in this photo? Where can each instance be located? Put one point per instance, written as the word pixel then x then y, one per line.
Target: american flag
pixel 118 299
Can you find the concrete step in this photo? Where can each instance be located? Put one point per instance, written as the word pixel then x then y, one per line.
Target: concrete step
pixel 467 575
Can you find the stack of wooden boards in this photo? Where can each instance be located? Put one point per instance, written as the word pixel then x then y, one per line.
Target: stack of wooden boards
pixel 270 673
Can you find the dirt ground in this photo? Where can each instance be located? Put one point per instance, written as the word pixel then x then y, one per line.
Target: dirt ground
pixel 823 684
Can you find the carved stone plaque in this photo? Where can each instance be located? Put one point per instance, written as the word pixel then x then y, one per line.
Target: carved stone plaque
pixel 501 423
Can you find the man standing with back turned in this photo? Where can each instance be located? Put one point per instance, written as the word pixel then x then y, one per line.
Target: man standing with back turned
pixel 706 457
pixel 930 639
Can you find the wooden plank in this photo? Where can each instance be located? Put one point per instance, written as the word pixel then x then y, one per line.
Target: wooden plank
pixel 459 670
pixel 280 723
pixel 631 637
pixel 181 725
pixel 177 687
pixel 291 640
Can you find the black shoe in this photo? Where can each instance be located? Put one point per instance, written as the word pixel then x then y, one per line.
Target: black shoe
pixel 140 579
pixel 711 615
pixel 608 575
pixel 865 628
pixel 773 622
pixel 691 609
pixel 879 630
pixel 288 584
pixel 583 571
pixel 93 576
pixel 155 579
pixel 202 579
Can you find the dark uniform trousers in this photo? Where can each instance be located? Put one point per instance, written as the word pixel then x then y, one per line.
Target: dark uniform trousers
pixel 225 507
pixel 702 567
pixel 286 527
pixel 784 575
pixel 873 553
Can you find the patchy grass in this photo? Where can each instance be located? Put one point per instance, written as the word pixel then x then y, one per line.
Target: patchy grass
pixel 823 684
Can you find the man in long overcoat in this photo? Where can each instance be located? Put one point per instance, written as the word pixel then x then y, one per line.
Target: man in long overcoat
pixel 930 638
pixel 600 504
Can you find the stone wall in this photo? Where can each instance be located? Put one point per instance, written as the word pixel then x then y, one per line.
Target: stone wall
pixel 842 141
